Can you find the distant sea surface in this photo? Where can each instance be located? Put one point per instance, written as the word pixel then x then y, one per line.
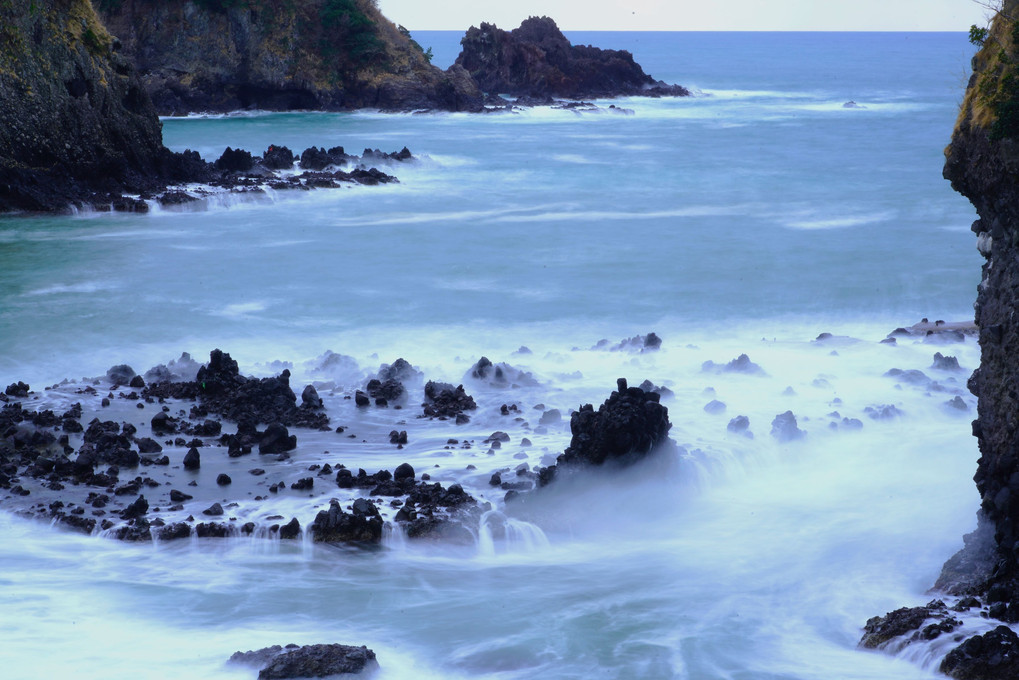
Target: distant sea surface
pixel 798 192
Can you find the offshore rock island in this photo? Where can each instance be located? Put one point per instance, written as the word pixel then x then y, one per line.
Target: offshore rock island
pixel 81 86
pixel 982 163
pixel 536 61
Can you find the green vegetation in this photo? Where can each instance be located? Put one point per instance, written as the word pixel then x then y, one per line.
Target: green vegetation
pixel 406 34
pixel 995 99
pixel 348 29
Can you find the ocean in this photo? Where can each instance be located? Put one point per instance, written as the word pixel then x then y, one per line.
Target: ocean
pixel 750 218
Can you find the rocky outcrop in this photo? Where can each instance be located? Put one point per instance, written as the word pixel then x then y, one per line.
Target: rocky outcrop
pixel 629 425
pixel 309 661
pixel 223 390
pixel 76 126
pixel 280 55
pixel 536 60
pixel 982 163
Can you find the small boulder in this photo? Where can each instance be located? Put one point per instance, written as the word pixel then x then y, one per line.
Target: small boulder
pixel 784 428
pixel 193 459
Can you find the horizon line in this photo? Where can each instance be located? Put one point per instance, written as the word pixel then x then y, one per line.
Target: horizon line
pixel 715 30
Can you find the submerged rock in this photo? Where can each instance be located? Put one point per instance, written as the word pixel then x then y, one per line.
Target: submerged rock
pixel 784 428
pixel 741 364
pixel 499 375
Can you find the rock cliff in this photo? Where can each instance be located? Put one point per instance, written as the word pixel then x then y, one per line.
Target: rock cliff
pixel 223 55
pixel 982 162
pixel 536 60
pixel 74 120
pixel 983 165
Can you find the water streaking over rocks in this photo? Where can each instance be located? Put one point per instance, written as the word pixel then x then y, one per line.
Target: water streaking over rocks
pixel 746 254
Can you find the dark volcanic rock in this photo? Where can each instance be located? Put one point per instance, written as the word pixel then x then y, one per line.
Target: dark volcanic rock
pixel 309 661
pixel 18 389
pixel 278 158
pixel 290 530
pixel 310 398
pixel 536 60
pixel 628 426
pixel 277 439
pixel 442 400
pixel 991 656
pixel 192 459
pixel 222 390
pixel 363 524
pixel 400 371
pixel 881 629
pixel 391 391
pixel 120 375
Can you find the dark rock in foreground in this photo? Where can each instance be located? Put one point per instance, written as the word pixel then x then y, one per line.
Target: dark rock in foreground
pixel 882 629
pixel 309 661
pixel 991 656
pixel 536 60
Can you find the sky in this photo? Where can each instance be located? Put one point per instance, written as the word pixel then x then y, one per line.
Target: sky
pixel 693 15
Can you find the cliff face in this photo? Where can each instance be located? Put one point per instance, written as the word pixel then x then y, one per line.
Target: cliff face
pixel 536 60
pixel 983 165
pixel 222 55
pixel 73 117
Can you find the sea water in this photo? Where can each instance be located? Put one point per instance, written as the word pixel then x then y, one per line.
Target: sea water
pixel 749 218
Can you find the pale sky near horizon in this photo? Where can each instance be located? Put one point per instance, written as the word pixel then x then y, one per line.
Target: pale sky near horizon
pixel 693 15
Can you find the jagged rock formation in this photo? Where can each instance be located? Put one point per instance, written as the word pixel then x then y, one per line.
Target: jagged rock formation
pixel 536 60
pixel 982 162
pixel 983 165
pixel 627 426
pixel 75 123
pixel 223 55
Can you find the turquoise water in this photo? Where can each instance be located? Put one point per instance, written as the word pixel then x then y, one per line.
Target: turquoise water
pixel 751 217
